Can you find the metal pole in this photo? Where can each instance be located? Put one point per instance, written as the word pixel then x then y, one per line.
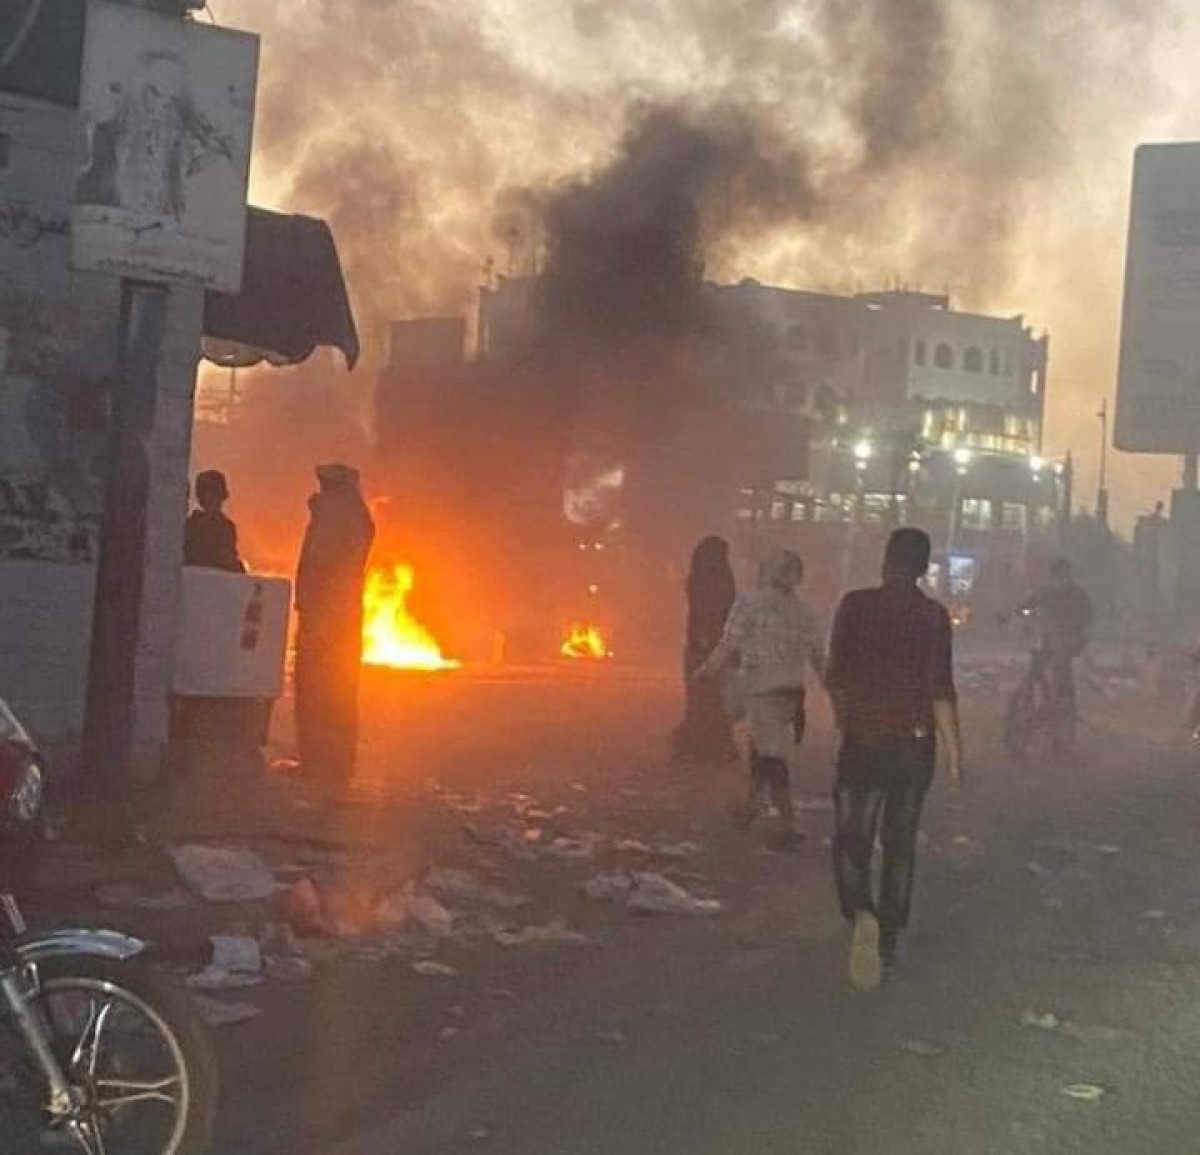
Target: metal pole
pixel 117 607
pixel 1102 488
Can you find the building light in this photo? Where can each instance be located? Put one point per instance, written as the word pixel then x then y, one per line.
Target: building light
pixel 962 459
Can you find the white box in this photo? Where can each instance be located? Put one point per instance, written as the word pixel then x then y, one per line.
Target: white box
pixel 233 638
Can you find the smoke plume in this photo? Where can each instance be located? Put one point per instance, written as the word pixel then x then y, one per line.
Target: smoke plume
pixel 973 146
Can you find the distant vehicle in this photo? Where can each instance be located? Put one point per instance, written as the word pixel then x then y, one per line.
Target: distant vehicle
pixel 100 1052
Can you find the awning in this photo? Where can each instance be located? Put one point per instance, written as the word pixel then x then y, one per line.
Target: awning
pixel 293 297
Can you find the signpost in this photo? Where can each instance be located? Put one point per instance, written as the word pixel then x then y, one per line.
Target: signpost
pixel 1158 387
pixel 166 111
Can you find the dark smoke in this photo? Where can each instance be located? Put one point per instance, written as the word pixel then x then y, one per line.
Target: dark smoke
pixel 972 145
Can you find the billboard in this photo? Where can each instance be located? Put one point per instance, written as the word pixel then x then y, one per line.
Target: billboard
pixel 1158 384
pixel 166 109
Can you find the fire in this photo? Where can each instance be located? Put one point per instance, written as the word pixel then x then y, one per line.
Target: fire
pixel 585 642
pixel 391 635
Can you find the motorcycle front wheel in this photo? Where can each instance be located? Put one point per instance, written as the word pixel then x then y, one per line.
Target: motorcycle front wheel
pixel 135 1052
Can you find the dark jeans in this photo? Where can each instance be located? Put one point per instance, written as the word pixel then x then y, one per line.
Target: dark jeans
pixel 879 792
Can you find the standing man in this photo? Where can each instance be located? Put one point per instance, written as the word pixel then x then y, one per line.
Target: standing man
pixel 209 536
pixel 775 637
pixel 890 677
pixel 329 593
pixel 1063 617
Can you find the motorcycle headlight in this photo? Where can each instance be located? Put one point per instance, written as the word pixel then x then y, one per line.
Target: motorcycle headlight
pixel 25 802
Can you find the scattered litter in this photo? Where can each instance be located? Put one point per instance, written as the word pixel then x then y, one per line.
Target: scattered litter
pixel 236 962
pixel 1085 1092
pixel 1107 851
pixel 1044 1020
pixel 571 848
pixel 461 885
pixel 678 849
pixel 1077 874
pixel 457 1012
pixel 1037 869
pixel 1154 915
pixel 925 1048
pixel 221 1014
pixel 285 765
pixel 479 1134
pixel 430 969
pixel 407 908
pixel 632 846
pixel 124 895
pixel 767 1038
pixel 962 840
pixel 224 873
pixel 289 968
pixel 616 1038
pixel 513 844
pixel 552 934
pixel 648 893
pixel 1053 903
pixel 448 1033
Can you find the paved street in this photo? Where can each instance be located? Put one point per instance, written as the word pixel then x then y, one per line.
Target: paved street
pixel 1063 896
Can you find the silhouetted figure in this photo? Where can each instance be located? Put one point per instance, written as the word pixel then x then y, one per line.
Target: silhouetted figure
pixel 706 734
pixel 329 592
pixel 210 537
pixel 891 680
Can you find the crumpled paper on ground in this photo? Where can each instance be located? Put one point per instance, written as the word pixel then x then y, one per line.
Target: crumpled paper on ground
pixel 645 892
pixel 224 873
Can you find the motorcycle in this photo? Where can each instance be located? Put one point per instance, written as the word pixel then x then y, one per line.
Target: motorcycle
pixel 99 1052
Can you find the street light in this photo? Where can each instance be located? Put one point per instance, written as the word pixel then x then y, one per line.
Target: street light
pixel 962 462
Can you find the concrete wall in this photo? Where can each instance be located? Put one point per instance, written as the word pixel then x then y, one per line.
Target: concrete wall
pixel 57 348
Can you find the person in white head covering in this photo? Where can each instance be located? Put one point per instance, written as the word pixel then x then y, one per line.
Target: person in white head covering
pixel 329 592
pixel 777 639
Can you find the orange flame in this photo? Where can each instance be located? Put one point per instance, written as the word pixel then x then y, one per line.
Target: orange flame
pixel 391 635
pixel 585 642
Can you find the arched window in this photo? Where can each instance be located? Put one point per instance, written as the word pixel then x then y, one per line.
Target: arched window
pixel 994 363
pixel 973 360
pixel 943 356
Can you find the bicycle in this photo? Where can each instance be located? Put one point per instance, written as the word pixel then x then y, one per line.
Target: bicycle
pixel 1041 709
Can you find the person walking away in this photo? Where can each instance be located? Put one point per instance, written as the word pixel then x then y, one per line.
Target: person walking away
pixel 209 535
pixel 776 639
pixel 1063 617
pixel 706 734
pixel 891 680
pixel 329 592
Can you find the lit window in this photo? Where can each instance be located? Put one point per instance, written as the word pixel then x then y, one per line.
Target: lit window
pixel 976 513
pixel 1012 517
pixel 943 356
pixel 973 360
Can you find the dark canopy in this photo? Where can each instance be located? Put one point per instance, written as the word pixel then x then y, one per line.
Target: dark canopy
pixel 293 297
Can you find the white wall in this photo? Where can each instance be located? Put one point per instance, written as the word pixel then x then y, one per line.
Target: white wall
pixel 50 315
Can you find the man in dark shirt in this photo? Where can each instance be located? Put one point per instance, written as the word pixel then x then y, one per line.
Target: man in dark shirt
pixel 890 677
pixel 210 537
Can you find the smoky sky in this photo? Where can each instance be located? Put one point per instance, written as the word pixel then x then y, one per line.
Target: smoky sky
pixel 975 146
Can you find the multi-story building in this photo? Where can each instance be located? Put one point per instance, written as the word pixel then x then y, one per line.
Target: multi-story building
pixel 908 412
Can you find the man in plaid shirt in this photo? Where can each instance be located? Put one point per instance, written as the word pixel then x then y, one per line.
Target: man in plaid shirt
pixel 891 680
pixel 777 642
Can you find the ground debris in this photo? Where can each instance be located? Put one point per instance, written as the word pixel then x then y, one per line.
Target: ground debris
pixel 924 1048
pixel 431 969
pixel 644 892
pixel 217 1013
pixel 1085 1092
pixel 224 873
pixel 555 933
pixel 459 884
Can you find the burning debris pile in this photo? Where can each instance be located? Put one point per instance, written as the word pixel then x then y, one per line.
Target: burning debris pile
pixel 392 637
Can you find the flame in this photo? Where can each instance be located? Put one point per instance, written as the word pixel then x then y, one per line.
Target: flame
pixel 391 635
pixel 585 642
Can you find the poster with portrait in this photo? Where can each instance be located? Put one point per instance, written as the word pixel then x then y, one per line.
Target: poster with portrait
pixel 166 115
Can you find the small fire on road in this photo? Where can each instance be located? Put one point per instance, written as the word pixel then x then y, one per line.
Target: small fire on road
pixel 392 637
pixel 585 642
